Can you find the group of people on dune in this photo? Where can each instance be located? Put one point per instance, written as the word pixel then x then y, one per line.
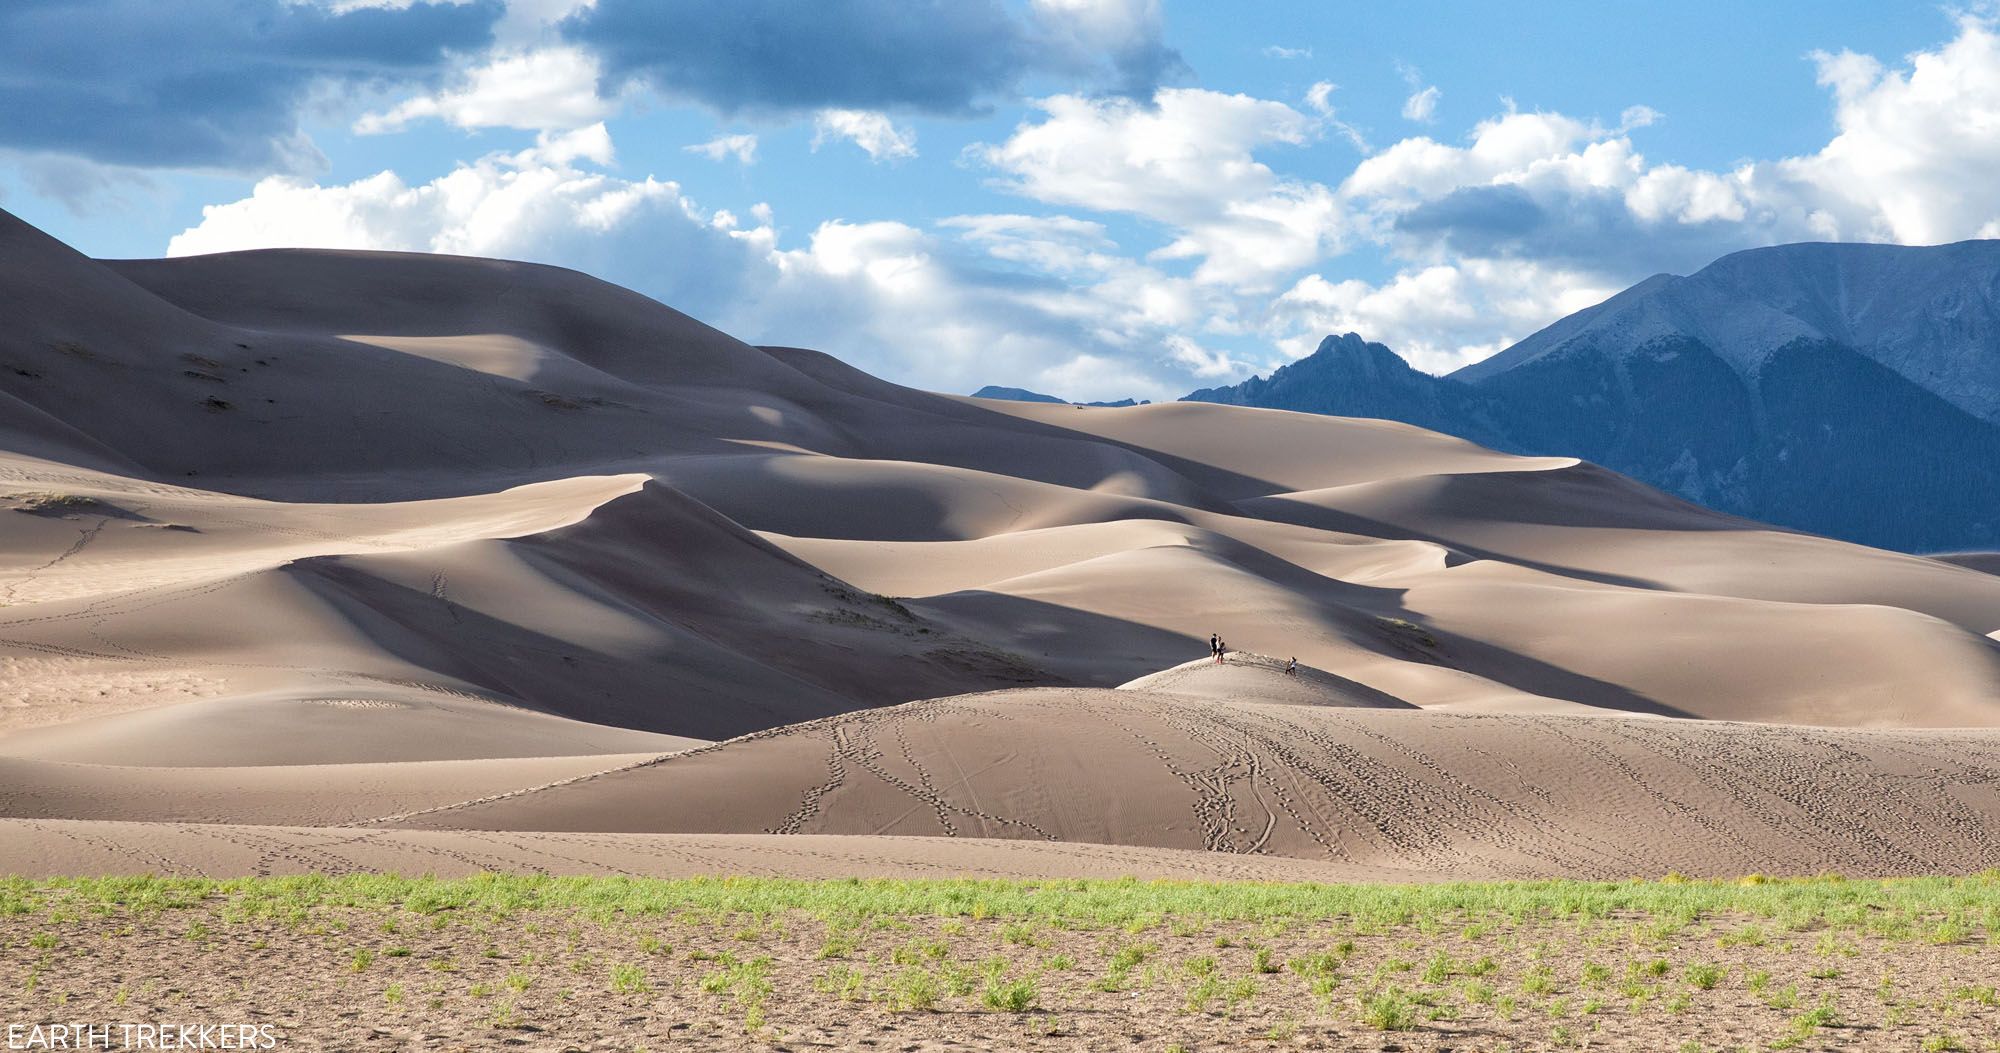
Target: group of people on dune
pixel 1219 651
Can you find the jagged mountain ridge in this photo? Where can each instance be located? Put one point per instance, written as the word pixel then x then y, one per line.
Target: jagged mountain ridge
pixel 1849 390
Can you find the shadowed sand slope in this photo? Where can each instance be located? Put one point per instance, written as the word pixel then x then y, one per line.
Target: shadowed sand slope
pixel 1468 796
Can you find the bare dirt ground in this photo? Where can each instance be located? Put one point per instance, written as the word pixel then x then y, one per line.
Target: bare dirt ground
pixel 369 979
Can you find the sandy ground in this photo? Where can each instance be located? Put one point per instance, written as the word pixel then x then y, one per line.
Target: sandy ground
pixel 363 980
pixel 55 848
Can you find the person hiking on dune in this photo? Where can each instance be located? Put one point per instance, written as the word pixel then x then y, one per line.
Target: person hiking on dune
pixel 1214 647
pixel 1221 651
pixel 1292 667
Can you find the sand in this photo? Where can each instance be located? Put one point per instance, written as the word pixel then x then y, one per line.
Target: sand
pixel 353 540
pixel 1478 796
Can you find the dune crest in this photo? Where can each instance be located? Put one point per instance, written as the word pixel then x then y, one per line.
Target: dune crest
pixel 1244 676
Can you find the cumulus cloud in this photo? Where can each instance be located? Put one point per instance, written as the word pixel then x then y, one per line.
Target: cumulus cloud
pixel 940 57
pixel 1917 147
pixel 978 299
pixel 1907 165
pixel 1199 360
pixel 1439 317
pixel 741 147
pixel 206 83
pixel 873 132
pixel 540 88
pixel 1187 162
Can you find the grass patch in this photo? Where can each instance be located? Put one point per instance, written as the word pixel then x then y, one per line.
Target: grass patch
pixel 1886 906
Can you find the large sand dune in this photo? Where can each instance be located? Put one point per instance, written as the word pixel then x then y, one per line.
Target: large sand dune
pixel 314 538
pixel 1377 789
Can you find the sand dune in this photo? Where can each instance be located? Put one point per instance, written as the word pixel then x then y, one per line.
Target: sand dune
pixel 1395 790
pixel 291 529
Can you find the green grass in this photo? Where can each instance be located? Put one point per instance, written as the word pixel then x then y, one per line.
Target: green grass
pixel 1704 976
pixel 628 979
pixel 1914 905
pixel 1012 996
pixel 1390 1010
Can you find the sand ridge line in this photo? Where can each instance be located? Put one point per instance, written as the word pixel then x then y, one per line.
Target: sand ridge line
pixel 754 736
pixel 522 791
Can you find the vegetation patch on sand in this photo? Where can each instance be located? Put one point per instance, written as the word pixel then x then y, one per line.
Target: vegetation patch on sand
pixel 1753 963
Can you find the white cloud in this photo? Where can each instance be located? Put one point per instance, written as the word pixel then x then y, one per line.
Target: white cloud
pixel 533 205
pixel 540 88
pixel 1439 317
pixel 1917 148
pixel 871 131
pixel 1201 361
pixel 1187 162
pixel 970 303
pixel 1422 104
pixel 1320 97
pixel 1278 51
pixel 1910 163
pixel 1415 170
pixel 741 147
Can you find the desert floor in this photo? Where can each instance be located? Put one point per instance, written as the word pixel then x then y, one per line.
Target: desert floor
pixel 987 967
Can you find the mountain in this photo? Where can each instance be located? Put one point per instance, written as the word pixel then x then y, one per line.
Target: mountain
pixel 995 391
pixel 1351 377
pixel 1847 390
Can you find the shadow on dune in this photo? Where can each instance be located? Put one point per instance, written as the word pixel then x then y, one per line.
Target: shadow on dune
pixel 1320 517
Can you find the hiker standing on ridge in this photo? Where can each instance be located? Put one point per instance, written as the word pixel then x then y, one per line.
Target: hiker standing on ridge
pixel 1221 651
pixel 1214 647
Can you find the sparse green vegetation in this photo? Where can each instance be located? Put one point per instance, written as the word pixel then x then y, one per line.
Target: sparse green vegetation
pixel 628 979
pixel 1389 1010
pixel 1520 964
pixel 1705 977
pixel 1013 996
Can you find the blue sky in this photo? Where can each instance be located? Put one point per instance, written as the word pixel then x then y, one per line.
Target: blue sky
pixel 1096 198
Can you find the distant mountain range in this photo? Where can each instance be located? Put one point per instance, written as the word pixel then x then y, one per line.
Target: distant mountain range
pixel 1847 390
pixel 995 391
